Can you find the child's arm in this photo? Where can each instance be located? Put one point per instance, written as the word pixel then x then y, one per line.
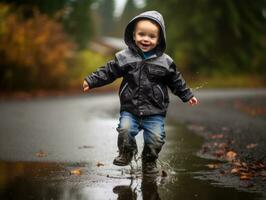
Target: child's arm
pixel 102 76
pixel 178 86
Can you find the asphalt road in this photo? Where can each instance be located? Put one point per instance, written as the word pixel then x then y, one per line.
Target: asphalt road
pixel 48 137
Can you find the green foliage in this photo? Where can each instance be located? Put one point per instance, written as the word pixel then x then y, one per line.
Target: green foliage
pixel 48 6
pixel 208 36
pixel 84 64
pixel 77 21
pixel 75 15
pixel 106 9
pixel 130 11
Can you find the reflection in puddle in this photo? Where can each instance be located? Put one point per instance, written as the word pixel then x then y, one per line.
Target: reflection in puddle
pixel 46 180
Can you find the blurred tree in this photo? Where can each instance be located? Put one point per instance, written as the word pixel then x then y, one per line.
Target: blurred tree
pixel 129 12
pixel 106 11
pixel 78 22
pixel 34 51
pixel 48 6
pixel 74 14
pixel 222 35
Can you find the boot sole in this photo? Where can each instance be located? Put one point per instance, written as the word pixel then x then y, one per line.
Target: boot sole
pixel 120 163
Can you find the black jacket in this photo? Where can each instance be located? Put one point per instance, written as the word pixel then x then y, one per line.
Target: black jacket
pixel 143 90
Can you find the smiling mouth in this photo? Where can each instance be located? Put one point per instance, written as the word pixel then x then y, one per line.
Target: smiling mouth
pixel 145 46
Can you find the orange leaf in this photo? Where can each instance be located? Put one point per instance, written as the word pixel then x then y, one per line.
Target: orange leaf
pixel 75 172
pixel 231 155
pixel 244 177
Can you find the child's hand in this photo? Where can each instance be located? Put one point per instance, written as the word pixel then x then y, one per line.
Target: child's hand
pixel 193 101
pixel 85 86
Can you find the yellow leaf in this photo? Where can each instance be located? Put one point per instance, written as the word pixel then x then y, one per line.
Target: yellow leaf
pixel 76 172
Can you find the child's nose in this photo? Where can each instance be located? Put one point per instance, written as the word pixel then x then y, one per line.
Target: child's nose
pixel 146 38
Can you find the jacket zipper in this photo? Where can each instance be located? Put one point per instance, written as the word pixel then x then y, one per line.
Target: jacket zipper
pixel 158 86
pixel 122 90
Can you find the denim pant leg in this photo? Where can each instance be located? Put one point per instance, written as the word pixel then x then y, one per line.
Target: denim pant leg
pixel 154 136
pixel 128 128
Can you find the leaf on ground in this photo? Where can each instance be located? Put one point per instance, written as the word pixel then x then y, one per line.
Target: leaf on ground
pixel 41 154
pixel 235 171
pixel 237 163
pixel 222 145
pixel 246 176
pixel 76 172
pixel 217 136
pixel 231 155
pixel 213 166
pixel 263 174
pixel 251 146
pixel 99 164
pixel 243 177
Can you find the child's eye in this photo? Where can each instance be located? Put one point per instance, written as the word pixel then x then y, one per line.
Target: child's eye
pixel 141 34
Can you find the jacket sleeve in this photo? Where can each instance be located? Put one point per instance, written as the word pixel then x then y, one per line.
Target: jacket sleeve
pixel 104 75
pixel 177 84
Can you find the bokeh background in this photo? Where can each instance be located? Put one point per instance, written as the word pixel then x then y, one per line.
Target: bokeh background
pixel 52 45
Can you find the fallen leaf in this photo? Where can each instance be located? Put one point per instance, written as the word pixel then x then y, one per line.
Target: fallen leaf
pixel 235 171
pixel 76 172
pixel 217 136
pixel 251 146
pixel 99 164
pixel 237 163
pixel 213 166
pixel 222 145
pixel 41 154
pixel 263 174
pixel 231 155
pixel 244 177
pixel 244 164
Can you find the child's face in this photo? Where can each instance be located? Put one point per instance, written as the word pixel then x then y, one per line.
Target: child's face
pixel 146 35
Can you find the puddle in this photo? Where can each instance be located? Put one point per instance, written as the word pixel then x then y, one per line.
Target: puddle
pixel 60 181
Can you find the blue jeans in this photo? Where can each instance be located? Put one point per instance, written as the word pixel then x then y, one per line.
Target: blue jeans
pixel 153 133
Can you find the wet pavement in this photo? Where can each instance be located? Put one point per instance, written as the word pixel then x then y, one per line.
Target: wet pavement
pixel 62 148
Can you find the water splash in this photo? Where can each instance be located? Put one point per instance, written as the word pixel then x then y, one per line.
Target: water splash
pixel 200 86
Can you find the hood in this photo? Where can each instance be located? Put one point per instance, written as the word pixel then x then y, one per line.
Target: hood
pixel 152 15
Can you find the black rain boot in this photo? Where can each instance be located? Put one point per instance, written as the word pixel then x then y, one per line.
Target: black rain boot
pixel 123 159
pixel 127 148
pixel 149 159
pixel 149 168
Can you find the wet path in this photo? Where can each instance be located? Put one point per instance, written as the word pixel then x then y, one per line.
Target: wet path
pixel 63 149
